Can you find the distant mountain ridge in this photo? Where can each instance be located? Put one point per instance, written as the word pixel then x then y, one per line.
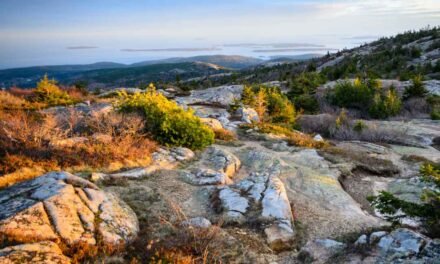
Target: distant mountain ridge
pixel 28 76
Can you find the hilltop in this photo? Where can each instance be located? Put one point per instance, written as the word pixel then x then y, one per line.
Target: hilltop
pixel 335 159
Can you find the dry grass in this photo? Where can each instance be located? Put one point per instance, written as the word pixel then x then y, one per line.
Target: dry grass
pixel 348 129
pixel 224 134
pixel 294 138
pixel 23 99
pixel 32 140
pixel 9 101
pixel 178 244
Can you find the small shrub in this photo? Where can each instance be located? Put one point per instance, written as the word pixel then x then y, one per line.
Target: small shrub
pixel 367 96
pixel 434 103
pixel 306 102
pixel 49 93
pixel 236 104
pixel 356 95
pixel 260 104
pixel 167 122
pixel 225 135
pixel 386 105
pixel 359 126
pixel 302 91
pixel 27 149
pixel 294 138
pixel 435 115
pixel 270 104
pixel 11 102
pixel 429 210
pixel 416 89
pixel 248 96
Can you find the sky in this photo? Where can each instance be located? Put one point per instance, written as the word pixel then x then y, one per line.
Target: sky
pixel 49 32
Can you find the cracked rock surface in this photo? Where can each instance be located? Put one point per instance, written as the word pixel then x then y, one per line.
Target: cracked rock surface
pixel 59 208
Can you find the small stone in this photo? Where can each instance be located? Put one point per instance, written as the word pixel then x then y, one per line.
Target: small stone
pixel 361 241
pixel 320 250
pixel 280 236
pixel 197 222
pixel 96 176
pixel 376 236
pixel 212 123
pixel 318 138
pixel 248 115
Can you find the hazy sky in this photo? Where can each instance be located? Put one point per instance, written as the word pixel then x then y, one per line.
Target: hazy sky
pixel 36 32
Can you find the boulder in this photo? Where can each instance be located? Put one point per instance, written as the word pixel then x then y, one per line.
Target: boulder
pixel 362 241
pixel 60 207
pixel 162 159
pixel 217 96
pixel 38 253
pixel 233 205
pixel 206 177
pixel 197 222
pixel 248 115
pixel 318 138
pixel 280 235
pixel 320 250
pixel 376 236
pixel 212 123
pixel 401 243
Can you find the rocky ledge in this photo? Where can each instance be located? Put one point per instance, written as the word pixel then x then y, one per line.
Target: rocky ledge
pixel 55 215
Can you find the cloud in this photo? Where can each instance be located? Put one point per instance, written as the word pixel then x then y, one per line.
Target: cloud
pixel 294 49
pixel 272 45
pixel 81 47
pixel 363 37
pixel 172 50
pixel 338 8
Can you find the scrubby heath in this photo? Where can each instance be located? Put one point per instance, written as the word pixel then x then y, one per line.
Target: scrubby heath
pixel 167 122
pixel 329 160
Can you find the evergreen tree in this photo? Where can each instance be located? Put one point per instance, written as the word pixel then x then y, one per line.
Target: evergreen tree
pixel 417 89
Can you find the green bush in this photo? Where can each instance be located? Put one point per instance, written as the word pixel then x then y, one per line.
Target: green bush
pixel 417 89
pixel 352 95
pixel 367 96
pixel 434 103
pixel 428 211
pixel 386 105
pixel 302 91
pixel 280 109
pixel 277 106
pixel 49 93
pixel 167 122
pixel 359 126
pixel 306 102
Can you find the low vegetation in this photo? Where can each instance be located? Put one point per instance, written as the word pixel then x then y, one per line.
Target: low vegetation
pixel 303 89
pixel 277 115
pixel 428 210
pixel 271 105
pixel 32 143
pixel 367 96
pixel 46 94
pixel 167 122
pixel 342 127
pixel 388 58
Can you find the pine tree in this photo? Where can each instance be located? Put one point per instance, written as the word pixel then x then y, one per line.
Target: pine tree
pixel 417 89
pixel 260 104
pixel 248 96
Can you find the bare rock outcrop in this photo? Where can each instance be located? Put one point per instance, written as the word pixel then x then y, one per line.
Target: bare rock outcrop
pixel 66 210
pixel 163 159
pixel 216 167
pixel 217 96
